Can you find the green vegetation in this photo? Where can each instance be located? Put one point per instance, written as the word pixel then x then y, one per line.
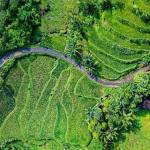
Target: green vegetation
pixel 50 102
pixel 115 113
pixel 140 139
pixel 115 33
pixel 106 31
pixel 55 21
pixel 117 41
pixel 7 101
pixel 48 107
pixel 46 103
pixel 18 20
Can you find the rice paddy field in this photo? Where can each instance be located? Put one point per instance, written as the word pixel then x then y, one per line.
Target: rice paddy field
pixel 44 100
pixel 47 107
pixel 50 103
pixel 120 40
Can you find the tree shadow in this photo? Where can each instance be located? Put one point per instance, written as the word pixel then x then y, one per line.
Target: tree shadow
pixel 7 102
pixel 136 127
pixel 143 112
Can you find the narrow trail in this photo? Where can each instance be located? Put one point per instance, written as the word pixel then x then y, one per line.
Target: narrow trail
pixel 50 52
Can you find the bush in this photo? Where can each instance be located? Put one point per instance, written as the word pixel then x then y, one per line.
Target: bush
pixel 106 5
pixel 89 8
pixel 91 65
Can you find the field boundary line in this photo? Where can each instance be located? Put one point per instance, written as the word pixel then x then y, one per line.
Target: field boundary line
pixel 27 98
pixel 49 101
pixel 43 90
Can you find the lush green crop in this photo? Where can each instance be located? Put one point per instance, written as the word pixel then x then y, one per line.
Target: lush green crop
pixel 120 45
pixel 44 100
pixel 50 104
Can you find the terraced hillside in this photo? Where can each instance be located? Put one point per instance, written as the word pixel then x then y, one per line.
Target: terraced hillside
pixel 120 40
pixel 44 98
pixel 50 102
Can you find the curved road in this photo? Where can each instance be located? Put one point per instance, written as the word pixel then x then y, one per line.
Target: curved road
pixel 59 55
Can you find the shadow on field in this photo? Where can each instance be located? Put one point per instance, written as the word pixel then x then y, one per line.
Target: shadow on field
pixel 143 113
pixel 15 145
pixel 7 102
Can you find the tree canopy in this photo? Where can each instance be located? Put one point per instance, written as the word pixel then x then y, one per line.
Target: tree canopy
pixel 18 20
pixel 116 112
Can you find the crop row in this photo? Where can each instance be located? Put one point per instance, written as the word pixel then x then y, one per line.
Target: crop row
pixel 54 111
pixel 125 41
pixel 126 32
pixel 108 42
pixel 127 14
pixel 111 48
pixel 112 63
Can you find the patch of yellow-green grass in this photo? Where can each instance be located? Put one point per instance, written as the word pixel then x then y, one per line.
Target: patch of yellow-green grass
pixel 58 42
pixel 95 145
pixel 87 88
pixel 140 139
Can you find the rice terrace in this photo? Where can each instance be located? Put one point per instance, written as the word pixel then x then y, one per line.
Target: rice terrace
pixel 74 74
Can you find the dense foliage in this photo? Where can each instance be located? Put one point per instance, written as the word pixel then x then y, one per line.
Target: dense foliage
pixel 109 38
pixel 116 112
pixel 18 21
pixel 4 70
pixel 75 45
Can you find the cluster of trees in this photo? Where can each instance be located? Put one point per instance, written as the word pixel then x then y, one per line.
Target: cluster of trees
pixel 95 7
pixel 4 71
pixel 74 39
pixel 115 114
pixel 91 65
pixel 76 35
pixel 18 21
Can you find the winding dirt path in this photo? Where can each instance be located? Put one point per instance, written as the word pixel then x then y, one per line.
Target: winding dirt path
pixel 59 55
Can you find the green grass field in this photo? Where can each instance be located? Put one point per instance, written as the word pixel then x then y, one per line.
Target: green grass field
pixel 50 104
pixel 113 40
pixel 140 139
